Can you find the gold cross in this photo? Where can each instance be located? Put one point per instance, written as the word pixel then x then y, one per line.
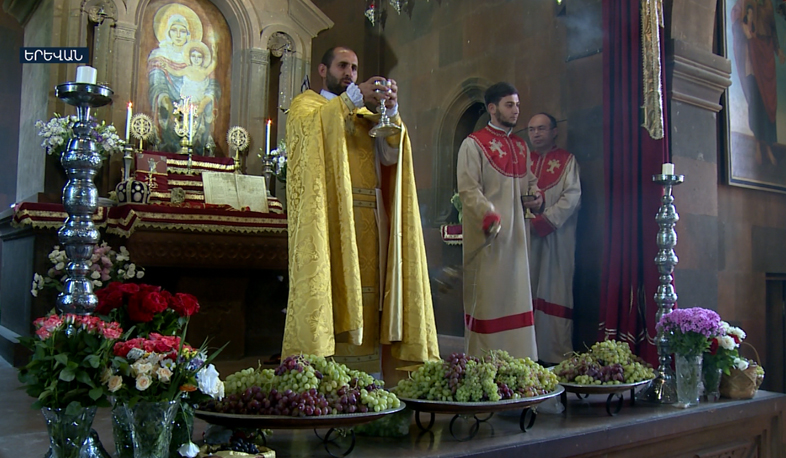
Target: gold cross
pixel 496 147
pixel 553 164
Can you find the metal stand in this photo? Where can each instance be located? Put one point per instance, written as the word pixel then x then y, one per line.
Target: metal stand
pixel 663 388
pixel 78 234
pixel 267 169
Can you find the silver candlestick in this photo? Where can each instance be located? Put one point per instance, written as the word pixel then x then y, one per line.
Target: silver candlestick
pixel 81 161
pixel 663 388
pixel 267 168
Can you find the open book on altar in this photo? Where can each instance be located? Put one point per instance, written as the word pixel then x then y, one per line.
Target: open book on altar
pixel 235 190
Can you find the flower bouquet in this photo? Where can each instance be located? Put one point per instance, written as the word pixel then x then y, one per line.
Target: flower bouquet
pixel 688 333
pixel 149 377
pixel 66 375
pixel 720 358
pixel 59 130
pixel 146 308
pixel 106 265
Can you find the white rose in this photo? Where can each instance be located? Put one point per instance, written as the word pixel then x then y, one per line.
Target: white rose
pixel 727 342
pixel 143 382
pixel 140 367
pixel 209 383
pixel 741 364
pixel 140 274
pixel 115 382
pixel 189 450
pixel 164 374
pixel 105 375
pixel 96 275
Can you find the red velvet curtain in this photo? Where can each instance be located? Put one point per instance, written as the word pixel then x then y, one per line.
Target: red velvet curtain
pixel 631 156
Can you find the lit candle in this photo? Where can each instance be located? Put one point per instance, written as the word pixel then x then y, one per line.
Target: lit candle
pixel 190 122
pixel 267 138
pixel 668 169
pixel 85 74
pixel 129 114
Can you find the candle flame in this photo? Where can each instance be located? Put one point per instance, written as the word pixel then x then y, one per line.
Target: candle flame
pixel 269 122
pixel 130 104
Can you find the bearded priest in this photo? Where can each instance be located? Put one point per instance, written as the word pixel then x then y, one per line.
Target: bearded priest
pixel 359 287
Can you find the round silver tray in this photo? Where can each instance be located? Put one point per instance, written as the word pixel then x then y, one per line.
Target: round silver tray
pixel 601 389
pixel 468 408
pixel 231 420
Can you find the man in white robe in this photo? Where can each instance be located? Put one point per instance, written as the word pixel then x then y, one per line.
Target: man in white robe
pixel 493 175
pixel 552 253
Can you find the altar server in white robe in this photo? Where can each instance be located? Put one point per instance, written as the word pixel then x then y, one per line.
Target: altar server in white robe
pixel 493 175
pixel 552 252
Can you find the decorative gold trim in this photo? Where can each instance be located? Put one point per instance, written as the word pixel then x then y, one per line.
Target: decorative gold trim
pixel 364 203
pixel 651 22
pixel 364 191
pixel 195 184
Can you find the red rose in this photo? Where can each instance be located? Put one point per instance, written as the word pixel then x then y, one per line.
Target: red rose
pixel 154 302
pixel 129 288
pixel 185 304
pixel 108 300
pixel 714 346
pixel 136 311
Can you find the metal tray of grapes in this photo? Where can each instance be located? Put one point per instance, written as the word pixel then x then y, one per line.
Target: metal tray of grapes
pixel 334 423
pixel 232 420
pixel 467 409
pixel 614 391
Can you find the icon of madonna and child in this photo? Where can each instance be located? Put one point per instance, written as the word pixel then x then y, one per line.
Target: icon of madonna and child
pixel 182 66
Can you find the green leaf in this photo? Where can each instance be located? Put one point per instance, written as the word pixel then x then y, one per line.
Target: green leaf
pixel 62 359
pixel 96 393
pixel 93 360
pixel 84 377
pixel 74 408
pixel 67 374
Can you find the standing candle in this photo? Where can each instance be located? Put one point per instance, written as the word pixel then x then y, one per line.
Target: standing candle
pixel 190 122
pixel 129 113
pixel 267 138
pixel 85 74
pixel 668 169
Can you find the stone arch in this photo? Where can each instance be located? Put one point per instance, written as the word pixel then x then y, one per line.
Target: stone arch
pixel 462 98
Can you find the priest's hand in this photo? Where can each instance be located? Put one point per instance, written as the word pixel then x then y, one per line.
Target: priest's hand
pixel 490 222
pixel 392 99
pixel 535 203
pixel 372 92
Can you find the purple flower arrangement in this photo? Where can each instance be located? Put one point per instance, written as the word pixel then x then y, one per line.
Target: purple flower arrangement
pixel 690 330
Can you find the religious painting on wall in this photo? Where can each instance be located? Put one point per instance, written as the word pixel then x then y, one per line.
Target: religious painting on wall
pixel 755 103
pixel 185 54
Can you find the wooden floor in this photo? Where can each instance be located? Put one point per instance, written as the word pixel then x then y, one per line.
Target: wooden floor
pixel 727 428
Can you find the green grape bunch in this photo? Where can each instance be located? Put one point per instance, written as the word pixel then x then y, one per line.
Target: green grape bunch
pixel 609 362
pixel 303 385
pixel 462 378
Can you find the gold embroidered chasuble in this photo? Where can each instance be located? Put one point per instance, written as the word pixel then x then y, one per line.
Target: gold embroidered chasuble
pixel 339 249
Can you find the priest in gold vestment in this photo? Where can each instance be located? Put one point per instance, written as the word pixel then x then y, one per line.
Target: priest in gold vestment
pixel 357 262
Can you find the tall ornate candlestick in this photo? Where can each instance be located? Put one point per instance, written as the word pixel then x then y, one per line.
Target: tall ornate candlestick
pixel 81 161
pixel 185 126
pixel 663 389
pixel 267 168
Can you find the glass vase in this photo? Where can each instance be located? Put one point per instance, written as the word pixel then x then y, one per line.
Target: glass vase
pixel 183 429
pixel 67 432
pixel 688 373
pixel 711 378
pixel 121 431
pixel 151 427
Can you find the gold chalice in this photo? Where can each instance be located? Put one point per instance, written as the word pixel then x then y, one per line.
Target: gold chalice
pixel 528 198
pixel 384 128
